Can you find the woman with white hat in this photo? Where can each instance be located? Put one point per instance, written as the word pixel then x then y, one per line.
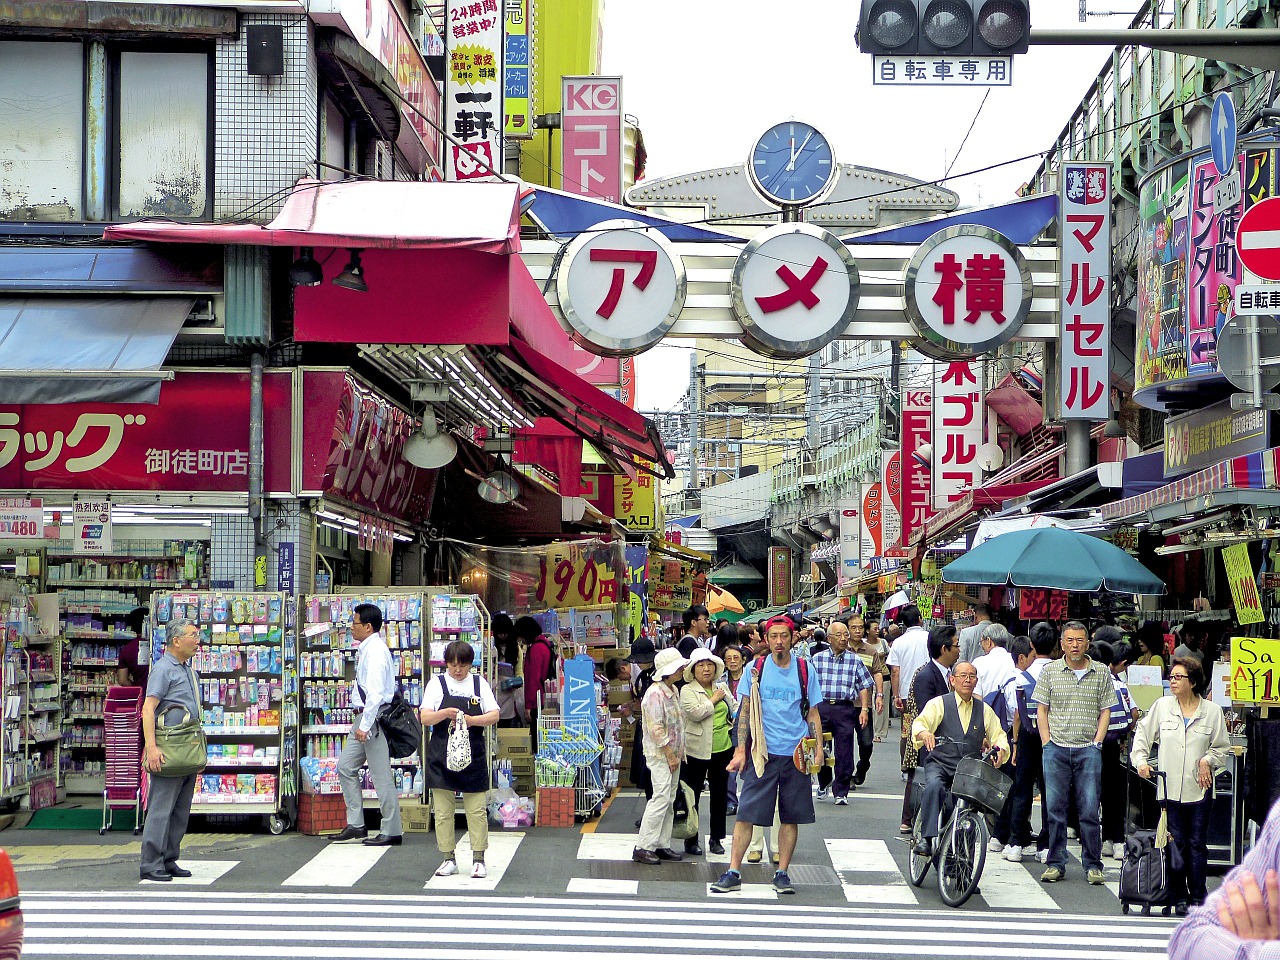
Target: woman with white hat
pixel 708 714
pixel 663 741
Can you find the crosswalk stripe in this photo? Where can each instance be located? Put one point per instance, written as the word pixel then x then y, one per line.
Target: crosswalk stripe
pixel 853 860
pixel 627 888
pixel 606 846
pixel 747 891
pixel 409 928
pixel 1007 884
pixel 203 872
pixel 497 858
pixel 337 865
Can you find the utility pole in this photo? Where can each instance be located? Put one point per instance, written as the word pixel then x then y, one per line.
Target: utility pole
pixel 695 415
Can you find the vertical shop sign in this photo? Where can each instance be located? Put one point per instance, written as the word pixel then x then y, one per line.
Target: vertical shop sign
pixel 517 59
pixel 635 503
pixel 779 576
pixel 92 527
pixel 890 500
pixel 284 567
pixel 1213 269
pixel 917 454
pixel 473 85
pixel 1162 287
pixel 578 704
pixel 1244 589
pixel 638 583
pixel 627 374
pixel 871 523
pixel 958 431
pixel 591 121
pixel 850 540
pixel 1085 232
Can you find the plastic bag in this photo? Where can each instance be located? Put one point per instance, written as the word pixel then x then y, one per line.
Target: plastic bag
pixel 458 753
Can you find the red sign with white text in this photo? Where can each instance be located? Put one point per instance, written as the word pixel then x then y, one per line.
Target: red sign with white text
pixel 591 118
pixel 917 438
pixel 1085 235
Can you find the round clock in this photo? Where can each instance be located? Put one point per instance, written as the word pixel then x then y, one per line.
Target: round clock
pixel 792 164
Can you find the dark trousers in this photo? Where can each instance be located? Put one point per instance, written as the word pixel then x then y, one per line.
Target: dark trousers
pixel 866 742
pixel 935 786
pixel 168 809
pixel 1028 776
pixel 1114 777
pixel 907 813
pixel 715 771
pixel 841 720
pixel 1004 819
pixel 1189 827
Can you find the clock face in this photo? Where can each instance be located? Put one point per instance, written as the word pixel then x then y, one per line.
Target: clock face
pixel 792 163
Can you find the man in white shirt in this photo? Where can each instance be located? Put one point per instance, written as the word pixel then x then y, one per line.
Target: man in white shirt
pixel 909 653
pixel 995 666
pixel 375 685
pixel 971 637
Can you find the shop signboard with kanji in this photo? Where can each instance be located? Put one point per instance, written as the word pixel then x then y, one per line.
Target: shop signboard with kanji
pixel 473 89
pixel 1202 438
pixel 958 430
pixel 871 525
pixel 573 575
pixel 794 290
pixel 1084 230
pixel 591 141
pixel 21 518
pixel 916 474
pixel 620 288
pixel 780 573
pixel 1213 268
pixel 517 80
pixel 1162 286
pixel 890 499
pixel 91 527
pixel 944 71
pixel 636 503
pixel 968 290
pixel 1036 605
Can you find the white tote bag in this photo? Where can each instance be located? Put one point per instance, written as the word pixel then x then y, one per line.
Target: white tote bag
pixel 458 754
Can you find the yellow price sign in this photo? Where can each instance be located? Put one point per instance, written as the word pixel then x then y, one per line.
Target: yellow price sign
pixel 1255 670
pixel 1244 588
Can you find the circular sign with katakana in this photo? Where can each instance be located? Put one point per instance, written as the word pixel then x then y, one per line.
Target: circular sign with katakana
pixel 968 290
pixel 621 287
pixel 794 290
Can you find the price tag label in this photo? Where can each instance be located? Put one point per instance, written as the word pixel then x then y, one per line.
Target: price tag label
pixel 21 518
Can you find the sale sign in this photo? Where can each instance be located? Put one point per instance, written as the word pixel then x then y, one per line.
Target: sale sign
pixel 473 90
pixel 92 527
pixel 569 576
pixel 1244 589
pixel 1036 604
pixel 21 518
pixel 1255 670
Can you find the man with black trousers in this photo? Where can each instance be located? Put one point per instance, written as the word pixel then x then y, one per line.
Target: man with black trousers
pixel 1028 772
pixel 933 680
pixel 845 708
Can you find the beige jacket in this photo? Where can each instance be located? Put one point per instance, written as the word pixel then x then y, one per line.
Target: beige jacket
pixel 1182 747
pixel 699 720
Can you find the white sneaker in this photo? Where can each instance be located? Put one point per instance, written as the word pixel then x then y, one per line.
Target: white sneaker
pixel 904 776
pixel 1073 833
pixel 1013 853
pixel 447 869
pixel 478 871
pixel 842 801
pixel 994 845
pixel 1042 856
pixel 1118 853
pixel 1108 848
pixel 822 792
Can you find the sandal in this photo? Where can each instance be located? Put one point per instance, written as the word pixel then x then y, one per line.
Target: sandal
pixel 904 828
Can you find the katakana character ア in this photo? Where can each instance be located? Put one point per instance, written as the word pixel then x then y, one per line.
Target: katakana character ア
pixel 948 287
pixel 1080 286
pixel 984 287
pixel 1084 336
pixel 157 461
pixel 1080 396
pixel 959 372
pixel 9 438
pixel 113 423
pixel 648 261
pixel 958 450
pixel 38 441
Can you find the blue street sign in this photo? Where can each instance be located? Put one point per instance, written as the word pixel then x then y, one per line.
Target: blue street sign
pixel 1222 133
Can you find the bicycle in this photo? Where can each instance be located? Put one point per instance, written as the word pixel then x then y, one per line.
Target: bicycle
pixel 978 788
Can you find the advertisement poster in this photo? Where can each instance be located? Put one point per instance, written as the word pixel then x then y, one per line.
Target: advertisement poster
pixel 1213 269
pixel 21 518
pixel 779 576
pixel 873 510
pixel 518 59
pixel 1085 280
pixel 638 583
pixel 1255 670
pixel 92 527
pixel 473 90
pixel 890 500
pixel 1244 588
pixel 1162 286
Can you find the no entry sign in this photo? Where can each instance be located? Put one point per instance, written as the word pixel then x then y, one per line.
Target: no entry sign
pixel 1258 239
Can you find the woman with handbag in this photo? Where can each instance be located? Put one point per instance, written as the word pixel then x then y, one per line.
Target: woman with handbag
pixel 174 751
pixel 1192 734
pixel 457 705
pixel 663 743
pixel 708 714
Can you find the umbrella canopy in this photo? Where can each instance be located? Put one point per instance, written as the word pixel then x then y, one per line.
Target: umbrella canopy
pixel 720 600
pixel 1053 558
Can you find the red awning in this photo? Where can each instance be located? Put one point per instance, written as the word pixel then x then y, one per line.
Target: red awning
pixel 394 214
pixel 587 410
pixel 946 523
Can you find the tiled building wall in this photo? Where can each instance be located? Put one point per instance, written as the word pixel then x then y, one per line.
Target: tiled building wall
pixel 266 134
pixel 231 548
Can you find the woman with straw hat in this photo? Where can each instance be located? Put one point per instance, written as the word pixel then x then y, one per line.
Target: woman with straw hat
pixel 708 715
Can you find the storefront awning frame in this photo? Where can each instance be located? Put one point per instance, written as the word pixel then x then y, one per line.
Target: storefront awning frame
pixel 1251 471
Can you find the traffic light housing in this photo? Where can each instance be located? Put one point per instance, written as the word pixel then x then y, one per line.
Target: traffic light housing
pixel 947 28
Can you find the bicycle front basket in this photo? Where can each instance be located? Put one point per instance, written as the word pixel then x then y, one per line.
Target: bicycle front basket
pixel 981 784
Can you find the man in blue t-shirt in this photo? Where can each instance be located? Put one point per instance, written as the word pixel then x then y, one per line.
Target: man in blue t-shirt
pixel 779 709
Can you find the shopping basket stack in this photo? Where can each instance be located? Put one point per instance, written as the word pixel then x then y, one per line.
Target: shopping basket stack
pixel 125 785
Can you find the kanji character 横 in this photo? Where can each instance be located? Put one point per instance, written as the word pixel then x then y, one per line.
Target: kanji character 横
pixel 1080 395
pixel 157 461
pixel 1084 336
pixel 948 287
pixel 9 438
pixel 1080 286
pixel 39 441
pixel 113 423
pixel 984 287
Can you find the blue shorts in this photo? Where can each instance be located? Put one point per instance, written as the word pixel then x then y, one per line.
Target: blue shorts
pixel 781 784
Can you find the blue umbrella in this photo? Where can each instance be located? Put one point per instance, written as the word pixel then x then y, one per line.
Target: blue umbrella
pixel 1053 558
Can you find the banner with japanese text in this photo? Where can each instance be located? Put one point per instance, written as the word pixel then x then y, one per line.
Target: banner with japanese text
pixel 1244 588
pixel 1085 232
pixel 473 89
pixel 636 504
pixel 890 500
pixel 958 430
pixel 1213 269
pixel 591 141
pixel 917 454
pixel 780 574
pixel 91 527
pixel 850 544
pixel 517 57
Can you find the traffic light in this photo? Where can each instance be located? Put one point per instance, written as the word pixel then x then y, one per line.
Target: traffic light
pixel 956 28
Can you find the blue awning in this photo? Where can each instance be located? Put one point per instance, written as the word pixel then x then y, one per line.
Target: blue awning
pixel 565 215
pixel 1021 221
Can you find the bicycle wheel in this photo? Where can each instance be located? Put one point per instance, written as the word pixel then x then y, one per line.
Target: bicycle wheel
pixel 962 856
pixel 919 865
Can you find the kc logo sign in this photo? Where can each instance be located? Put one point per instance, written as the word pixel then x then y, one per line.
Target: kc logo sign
pixel 968 290
pixel 795 289
pixel 592 137
pixel 621 287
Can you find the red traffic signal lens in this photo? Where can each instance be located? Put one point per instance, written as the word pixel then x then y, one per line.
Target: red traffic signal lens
pixel 947 23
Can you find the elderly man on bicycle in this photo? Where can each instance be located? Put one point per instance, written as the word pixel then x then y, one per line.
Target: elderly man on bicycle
pixel 951 728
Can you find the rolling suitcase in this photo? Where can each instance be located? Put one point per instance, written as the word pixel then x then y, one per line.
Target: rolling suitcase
pixel 1148 872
